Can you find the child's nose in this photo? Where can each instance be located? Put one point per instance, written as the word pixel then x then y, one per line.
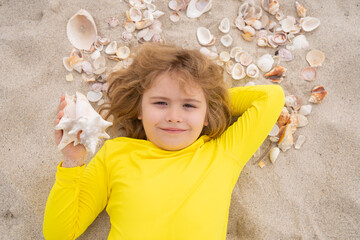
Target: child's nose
pixel 174 115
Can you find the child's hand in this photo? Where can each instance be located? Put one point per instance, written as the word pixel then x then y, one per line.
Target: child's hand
pixel 73 155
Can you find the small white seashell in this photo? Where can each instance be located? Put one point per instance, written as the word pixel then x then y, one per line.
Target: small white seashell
pixel 151 7
pixel 300 141
pixel 265 62
pixel 197 7
pixel 93 96
pixel 209 54
pixel 300 42
pixel 86 67
pixel 226 40
pixel 204 36
pixel 129 26
pixel 173 5
pixel 234 51
pixel 274 131
pixel 81 30
pixel 111 48
pixel 99 71
pixel 252 71
pixel 315 58
pixel 123 52
pixel 157 14
pixel 239 22
pixel 238 72
pixel 66 62
pixel 97 87
pixel 69 77
pixel 262 42
pixel 302 120
pixel 309 74
pixel 95 54
pixel 100 62
pixel 134 14
pixel 288 23
pixel 245 59
pixel 285 55
pixel 174 17
pixel 300 9
pixel 224 25
pixel 251 83
pixel 305 110
pixel 113 22
pixel 229 65
pixel 126 36
pixel 274 153
pixel 224 56
pixel 264 21
pixel 309 23
pixel 274 139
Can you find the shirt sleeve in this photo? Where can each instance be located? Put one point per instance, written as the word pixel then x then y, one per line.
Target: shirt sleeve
pixel 259 107
pixel 77 197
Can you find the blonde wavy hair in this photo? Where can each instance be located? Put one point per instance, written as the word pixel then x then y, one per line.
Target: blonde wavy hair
pixel 127 86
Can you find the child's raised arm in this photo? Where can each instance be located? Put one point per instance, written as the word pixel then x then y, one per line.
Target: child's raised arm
pixel 76 199
pixel 259 107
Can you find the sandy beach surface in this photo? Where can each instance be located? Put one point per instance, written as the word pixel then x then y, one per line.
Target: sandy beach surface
pixel 311 193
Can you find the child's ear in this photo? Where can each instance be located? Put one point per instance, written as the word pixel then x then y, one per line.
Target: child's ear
pixel 206 122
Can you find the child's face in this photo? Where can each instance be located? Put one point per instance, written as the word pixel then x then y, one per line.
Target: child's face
pixel 173 118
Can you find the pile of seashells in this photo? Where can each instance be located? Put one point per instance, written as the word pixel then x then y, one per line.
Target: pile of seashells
pixel 268 29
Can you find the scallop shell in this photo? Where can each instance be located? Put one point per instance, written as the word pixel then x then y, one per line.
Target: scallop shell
pixel 274 153
pixel 252 71
pixel 224 25
pixel 308 24
pixel 123 52
pixel 226 40
pixel 285 55
pixel 204 36
pixel 111 48
pixel 315 58
pixel 300 9
pixel 300 141
pixel 318 94
pixel 300 42
pixel 174 17
pixel 305 110
pixel 265 62
pixel 283 118
pixel 80 116
pixel 81 30
pixel 197 7
pixel 276 74
pixel 309 74
pixel 293 101
pixel 238 72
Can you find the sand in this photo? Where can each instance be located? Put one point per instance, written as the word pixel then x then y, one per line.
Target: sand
pixel 311 193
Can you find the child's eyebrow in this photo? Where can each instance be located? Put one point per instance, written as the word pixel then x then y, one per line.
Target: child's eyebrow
pixel 165 98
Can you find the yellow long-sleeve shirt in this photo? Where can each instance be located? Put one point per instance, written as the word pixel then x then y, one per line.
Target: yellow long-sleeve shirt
pixel 153 194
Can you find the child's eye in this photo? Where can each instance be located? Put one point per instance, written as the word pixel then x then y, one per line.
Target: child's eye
pixel 160 103
pixel 189 106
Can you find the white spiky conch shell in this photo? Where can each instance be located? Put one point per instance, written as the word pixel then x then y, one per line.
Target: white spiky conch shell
pixel 81 30
pixel 197 7
pixel 78 116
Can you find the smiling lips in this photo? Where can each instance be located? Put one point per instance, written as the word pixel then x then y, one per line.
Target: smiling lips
pixel 173 130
